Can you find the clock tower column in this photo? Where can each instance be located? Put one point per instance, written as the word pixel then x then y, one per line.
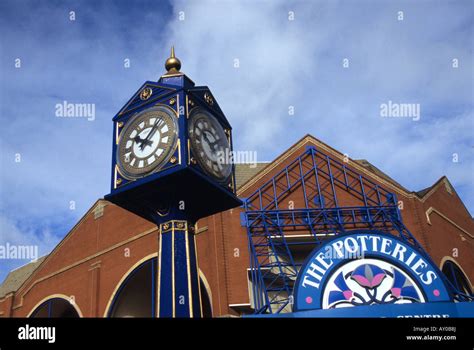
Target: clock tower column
pixel 179 293
pixel 168 166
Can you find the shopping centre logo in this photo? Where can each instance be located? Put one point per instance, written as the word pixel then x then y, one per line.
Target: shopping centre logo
pixel 387 270
pixel 75 110
pixel 400 110
pixel 20 252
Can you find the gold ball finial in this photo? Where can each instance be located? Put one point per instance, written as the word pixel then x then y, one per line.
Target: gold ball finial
pixel 172 65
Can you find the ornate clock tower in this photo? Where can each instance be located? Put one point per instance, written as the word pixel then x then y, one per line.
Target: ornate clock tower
pixel 169 166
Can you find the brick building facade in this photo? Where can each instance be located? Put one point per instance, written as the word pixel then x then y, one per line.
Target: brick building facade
pixel 104 266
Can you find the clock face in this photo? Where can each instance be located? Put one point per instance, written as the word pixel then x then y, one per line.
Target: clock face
pixel 210 144
pixel 147 142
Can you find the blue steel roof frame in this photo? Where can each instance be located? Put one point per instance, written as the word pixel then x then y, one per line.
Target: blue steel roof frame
pixel 272 267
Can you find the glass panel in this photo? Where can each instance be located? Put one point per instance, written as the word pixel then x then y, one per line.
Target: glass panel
pixel 60 308
pixel 63 309
pixel 456 277
pixel 135 295
pixel 41 311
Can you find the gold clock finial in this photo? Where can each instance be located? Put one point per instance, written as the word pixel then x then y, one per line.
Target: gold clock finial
pixel 172 65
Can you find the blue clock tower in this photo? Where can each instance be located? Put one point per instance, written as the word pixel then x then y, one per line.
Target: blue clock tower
pixel 171 166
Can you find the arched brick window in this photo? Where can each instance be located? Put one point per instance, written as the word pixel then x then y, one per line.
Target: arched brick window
pixel 55 307
pixel 456 277
pixel 137 295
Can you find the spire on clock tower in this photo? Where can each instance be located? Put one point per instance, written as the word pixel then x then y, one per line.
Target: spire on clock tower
pixel 173 64
pixel 173 76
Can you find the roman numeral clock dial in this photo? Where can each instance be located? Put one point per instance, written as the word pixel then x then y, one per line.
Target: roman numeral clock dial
pixel 147 142
pixel 210 145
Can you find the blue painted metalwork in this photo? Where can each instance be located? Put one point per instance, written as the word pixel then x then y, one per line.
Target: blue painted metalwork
pixel 271 228
pixel 171 196
pixel 179 179
pixel 178 277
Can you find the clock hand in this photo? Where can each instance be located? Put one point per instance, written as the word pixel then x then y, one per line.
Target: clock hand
pixel 208 140
pixel 141 141
pixel 146 141
pixel 138 139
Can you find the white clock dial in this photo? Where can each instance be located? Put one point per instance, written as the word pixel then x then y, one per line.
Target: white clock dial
pixel 210 144
pixel 147 142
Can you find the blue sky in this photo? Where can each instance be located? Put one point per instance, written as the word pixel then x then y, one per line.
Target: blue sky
pixel 281 63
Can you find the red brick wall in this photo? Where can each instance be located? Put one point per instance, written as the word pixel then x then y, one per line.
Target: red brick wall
pixel 90 263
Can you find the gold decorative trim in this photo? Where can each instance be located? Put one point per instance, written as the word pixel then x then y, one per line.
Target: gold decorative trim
pixel 232 177
pixel 115 176
pixel 208 98
pixel 433 210
pixel 187 101
pixel 189 151
pixel 117 133
pixel 158 290
pixel 176 100
pixel 188 271
pixel 179 152
pixel 139 91
pixel 172 225
pixel 146 93
pixel 173 75
pixel 173 293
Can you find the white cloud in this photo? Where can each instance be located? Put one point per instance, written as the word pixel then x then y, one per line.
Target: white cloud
pixel 282 63
pixel 43 241
pixel 299 63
